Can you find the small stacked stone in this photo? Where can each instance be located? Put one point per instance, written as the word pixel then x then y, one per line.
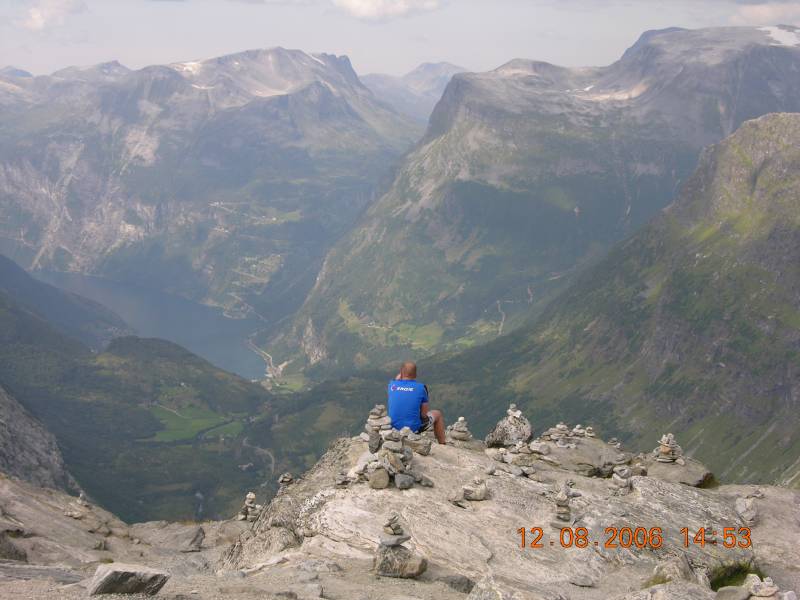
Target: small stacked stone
pixel 590 432
pixel 668 450
pixel 621 478
pixel 563 498
pixel 578 431
pixel 250 511
pixel 556 433
pixel 460 430
pixel 615 442
pixel 392 559
pixel 395 535
pixel 285 479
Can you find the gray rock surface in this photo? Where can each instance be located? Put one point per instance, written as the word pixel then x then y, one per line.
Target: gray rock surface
pixel 127 579
pixel 170 536
pixel 27 450
pixel 732 593
pixel 691 473
pixel 480 541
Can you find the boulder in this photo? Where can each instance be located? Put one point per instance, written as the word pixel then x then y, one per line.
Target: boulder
pixel 379 479
pixel 691 473
pixel 399 561
pixel 403 481
pixel 118 578
pixel 509 431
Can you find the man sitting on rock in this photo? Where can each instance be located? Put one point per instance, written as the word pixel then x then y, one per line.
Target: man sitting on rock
pixel 408 404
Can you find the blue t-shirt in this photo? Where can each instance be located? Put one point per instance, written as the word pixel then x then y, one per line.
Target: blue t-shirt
pixel 406 396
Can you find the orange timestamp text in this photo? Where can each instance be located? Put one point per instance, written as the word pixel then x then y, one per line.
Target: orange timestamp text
pixel 632 537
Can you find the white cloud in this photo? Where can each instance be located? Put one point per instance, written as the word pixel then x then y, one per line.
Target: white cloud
pixel 767 13
pixel 376 10
pixel 43 14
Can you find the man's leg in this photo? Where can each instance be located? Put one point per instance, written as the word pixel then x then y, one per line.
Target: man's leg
pixel 438 426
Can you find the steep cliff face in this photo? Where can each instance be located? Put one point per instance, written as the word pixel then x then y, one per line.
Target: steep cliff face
pixel 27 450
pixel 526 174
pixel 223 180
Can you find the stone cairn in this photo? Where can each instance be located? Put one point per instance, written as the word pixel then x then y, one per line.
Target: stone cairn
pixel 285 479
pixel 392 558
pixel 459 431
pixel 559 434
pixel 378 421
pixel 250 511
pixel 615 442
pixel 563 498
pixel 475 491
pixel 393 461
pixel 669 451
pixel 621 479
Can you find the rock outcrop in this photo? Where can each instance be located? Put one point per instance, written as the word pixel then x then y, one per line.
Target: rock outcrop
pixel 127 579
pixel 481 538
pixel 28 451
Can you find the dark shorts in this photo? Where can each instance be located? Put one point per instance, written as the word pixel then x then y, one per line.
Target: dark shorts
pixel 427 423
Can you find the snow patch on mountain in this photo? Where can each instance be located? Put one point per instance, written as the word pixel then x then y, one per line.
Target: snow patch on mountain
pixel 783 36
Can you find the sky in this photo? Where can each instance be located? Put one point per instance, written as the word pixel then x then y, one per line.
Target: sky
pixel 385 36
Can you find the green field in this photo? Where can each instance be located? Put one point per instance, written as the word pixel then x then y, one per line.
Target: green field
pixel 184 424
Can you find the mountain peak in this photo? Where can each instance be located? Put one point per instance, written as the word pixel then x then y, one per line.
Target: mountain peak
pixel 11 71
pixel 270 71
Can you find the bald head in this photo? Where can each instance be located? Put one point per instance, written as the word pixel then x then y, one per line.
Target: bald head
pixel 408 370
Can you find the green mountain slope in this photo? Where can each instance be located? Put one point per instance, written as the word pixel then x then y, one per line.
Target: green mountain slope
pixel 691 326
pixel 88 321
pixel 527 174
pixel 147 428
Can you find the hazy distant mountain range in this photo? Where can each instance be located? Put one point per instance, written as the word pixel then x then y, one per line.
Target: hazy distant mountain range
pixel 526 174
pixel 416 93
pixel 223 180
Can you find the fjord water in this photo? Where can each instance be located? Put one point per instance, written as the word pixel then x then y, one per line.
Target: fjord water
pixel 204 330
